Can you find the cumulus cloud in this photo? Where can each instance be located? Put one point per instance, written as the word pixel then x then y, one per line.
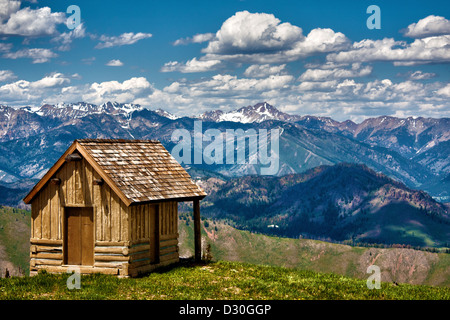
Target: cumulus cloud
pixel 126 91
pixel 123 39
pixel 340 98
pixel 191 66
pixel 34 92
pixel 38 55
pixel 262 38
pixel 114 63
pixel 247 32
pixel 65 39
pixel 417 75
pixel 429 26
pixel 421 51
pixel 444 91
pixel 198 38
pixel 264 70
pixel 8 7
pixel 28 22
pixel 336 73
pixel 6 75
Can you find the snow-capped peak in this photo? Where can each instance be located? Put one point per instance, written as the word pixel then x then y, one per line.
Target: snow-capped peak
pixel 166 114
pixel 258 113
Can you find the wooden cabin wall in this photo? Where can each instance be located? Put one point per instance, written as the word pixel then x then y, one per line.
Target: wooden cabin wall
pixel 76 189
pixel 122 240
pixel 142 226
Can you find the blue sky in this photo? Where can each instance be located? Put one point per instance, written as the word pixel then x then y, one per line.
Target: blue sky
pixel 188 57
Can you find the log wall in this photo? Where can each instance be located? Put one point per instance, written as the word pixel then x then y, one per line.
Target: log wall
pixel 123 235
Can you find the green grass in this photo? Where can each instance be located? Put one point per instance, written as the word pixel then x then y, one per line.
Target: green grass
pixel 218 280
pixel 399 265
pixel 15 236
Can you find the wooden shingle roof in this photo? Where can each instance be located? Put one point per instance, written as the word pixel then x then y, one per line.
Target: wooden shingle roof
pixel 137 170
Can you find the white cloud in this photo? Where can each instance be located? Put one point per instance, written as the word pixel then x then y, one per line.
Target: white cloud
pixel 198 38
pixel 6 75
pixel 126 91
pixel 247 32
pixel 421 51
pixel 339 98
pixel 39 55
pixel 429 26
pixel 336 73
pixel 7 7
pixel 123 39
pixel 26 92
pixel 114 63
pixel 418 75
pixel 262 38
pixel 52 81
pixel 65 39
pixel 4 47
pixel 29 22
pixel 264 70
pixel 191 66
pixel 444 91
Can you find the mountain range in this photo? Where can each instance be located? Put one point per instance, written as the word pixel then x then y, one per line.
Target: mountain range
pixel 343 202
pixel 414 151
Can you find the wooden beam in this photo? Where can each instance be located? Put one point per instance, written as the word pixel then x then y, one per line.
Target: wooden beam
pixel 98 182
pixel 73 157
pixel 55 181
pixel 197 231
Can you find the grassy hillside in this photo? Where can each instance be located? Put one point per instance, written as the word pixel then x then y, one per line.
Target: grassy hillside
pixel 344 202
pixel 228 243
pixel 397 265
pixel 14 240
pixel 220 280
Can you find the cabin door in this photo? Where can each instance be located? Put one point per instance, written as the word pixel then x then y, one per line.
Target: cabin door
pixel 154 233
pixel 79 237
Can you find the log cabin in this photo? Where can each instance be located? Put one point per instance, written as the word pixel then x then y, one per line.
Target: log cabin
pixel 110 206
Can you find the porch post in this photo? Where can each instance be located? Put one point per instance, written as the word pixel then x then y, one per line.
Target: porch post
pixel 197 232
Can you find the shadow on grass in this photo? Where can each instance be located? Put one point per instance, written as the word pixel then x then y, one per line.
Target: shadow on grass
pixel 182 263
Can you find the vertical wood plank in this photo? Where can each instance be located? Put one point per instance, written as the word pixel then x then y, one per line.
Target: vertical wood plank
pixel 115 215
pixel 54 206
pixel 175 228
pixel 69 183
pixel 45 212
pixel 88 194
pixel 107 213
pixel 63 187
pixel 87 236
pixel 35 223
pixel 132 222
pixel 169 216
pixel 146 218
pixel 59 213
pixel 98 208
pixel 79 185
pixel 73 243
pixel 163 217
pixel 138 221
pixel 125 236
